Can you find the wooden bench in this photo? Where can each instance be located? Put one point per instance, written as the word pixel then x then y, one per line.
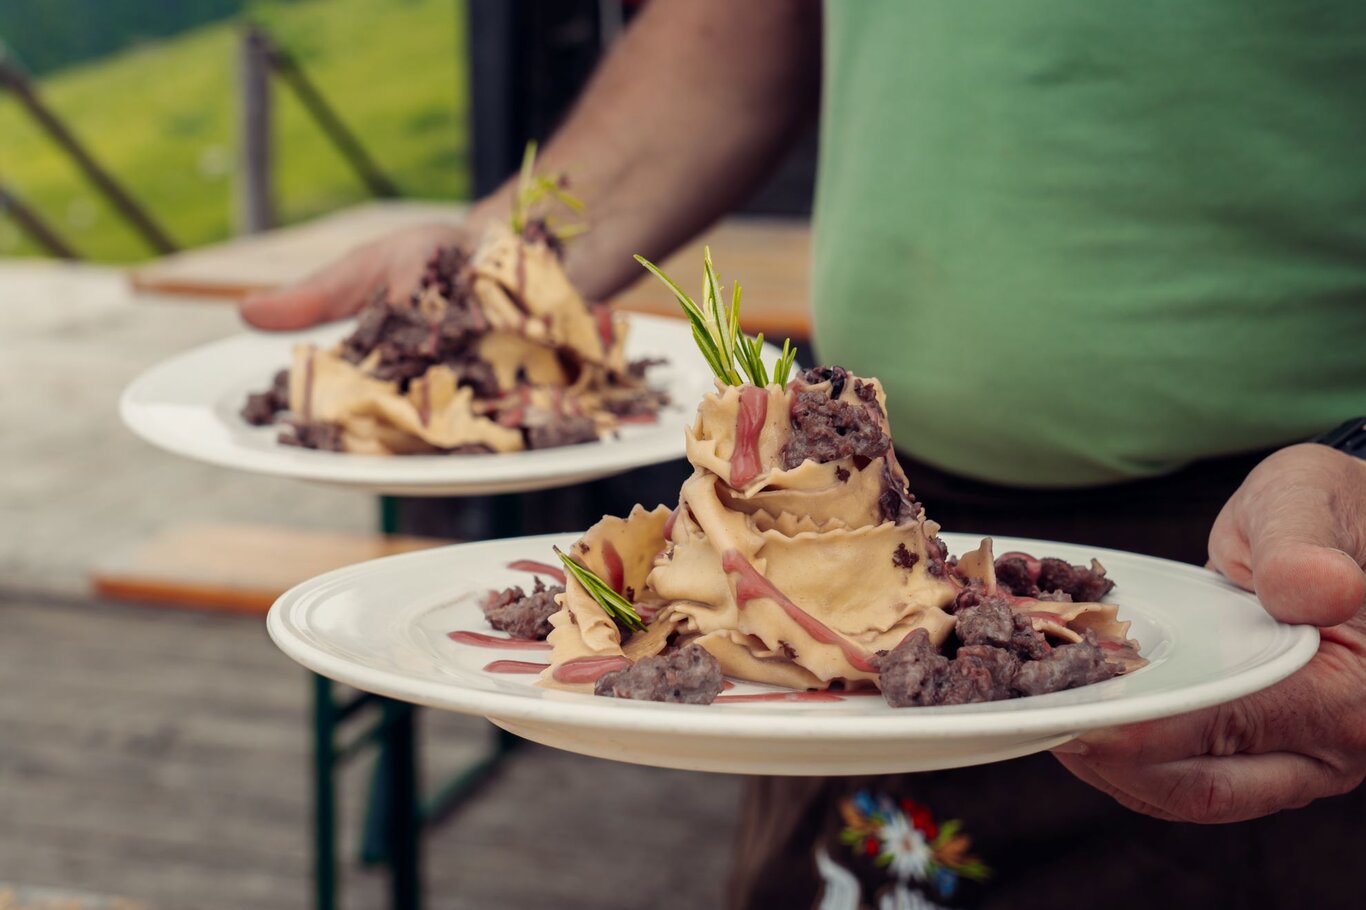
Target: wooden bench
pixel 235 567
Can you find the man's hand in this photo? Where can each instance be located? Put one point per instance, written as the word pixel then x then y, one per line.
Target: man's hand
pixel 1295 533
pixel 343 287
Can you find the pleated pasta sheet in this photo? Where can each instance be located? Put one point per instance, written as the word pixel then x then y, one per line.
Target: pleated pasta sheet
pixel 543 354
pixel 793 562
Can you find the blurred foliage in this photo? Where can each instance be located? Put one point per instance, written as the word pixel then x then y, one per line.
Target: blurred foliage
pixel 162 118
pixel 46 35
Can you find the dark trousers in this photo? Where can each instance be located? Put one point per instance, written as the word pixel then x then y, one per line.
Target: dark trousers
pixel 1048 839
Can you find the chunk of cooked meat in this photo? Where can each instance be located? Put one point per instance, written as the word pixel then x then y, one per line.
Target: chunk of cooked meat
pixel 523 615
pixel 689 675
pixel 1064 667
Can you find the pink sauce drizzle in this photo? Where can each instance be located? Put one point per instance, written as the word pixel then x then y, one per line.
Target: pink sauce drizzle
pixel 1032 565
pixel 669 523
pixel 480 640
pixel 514 666
pixel 424 410
pixel 752 585
pixel 616 572
pixel 639 418
pixel 588 669
pixel 308 387
pixel 539 568
pixel 604 314
pixel 744 461
pixel 817 695
pixel 517 416
pixel 1046 617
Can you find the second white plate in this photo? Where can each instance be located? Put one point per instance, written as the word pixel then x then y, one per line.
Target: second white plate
pixel 189 405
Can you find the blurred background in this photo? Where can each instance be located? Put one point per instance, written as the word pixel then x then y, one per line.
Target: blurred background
pixel 157 158
pixel 151 90
pixel 133 127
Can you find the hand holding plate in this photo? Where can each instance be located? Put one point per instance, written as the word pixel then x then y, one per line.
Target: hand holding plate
pixel 342 287
pixel 1295 533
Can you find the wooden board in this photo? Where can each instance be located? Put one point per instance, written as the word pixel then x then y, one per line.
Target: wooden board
pixel 234 268
pixel 769 256
pixel 21 897
pixel 235 567
pixel 164 756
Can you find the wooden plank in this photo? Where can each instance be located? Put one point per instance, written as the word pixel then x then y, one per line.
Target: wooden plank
pixel 24 897
pixel 162 756
pixel 770 257
pixel 236 267
pixel 235 567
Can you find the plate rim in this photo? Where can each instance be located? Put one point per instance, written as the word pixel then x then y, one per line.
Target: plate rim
pixel 940 722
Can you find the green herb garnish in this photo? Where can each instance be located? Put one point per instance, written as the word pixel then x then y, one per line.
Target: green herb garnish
pixel 716 329
pixel 532 188
pixel 612 603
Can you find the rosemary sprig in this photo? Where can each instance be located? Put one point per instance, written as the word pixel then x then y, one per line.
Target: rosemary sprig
pixel 732 355
pixel 612 603
pixel 533 187
pixel 786 359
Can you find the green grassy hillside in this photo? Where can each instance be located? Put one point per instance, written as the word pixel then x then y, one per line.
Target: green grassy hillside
pixel 162 119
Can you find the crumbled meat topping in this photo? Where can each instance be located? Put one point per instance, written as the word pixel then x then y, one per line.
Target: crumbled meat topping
pixel 903 557
pixel 635 402
pixel 825 429
pixel 912 672
pixel 262 407
pixel 970 596
pixel 978 673
pixel 689 675
pixel 997 655
pixel 1065 667
pixel 538 231
pixel 1030 578
pixel 990 621
pixel 836 376
pixel 896 503
pixel 408 342
pixel 637 369
pixel 547 429
pixel 523 615
pixel 315 435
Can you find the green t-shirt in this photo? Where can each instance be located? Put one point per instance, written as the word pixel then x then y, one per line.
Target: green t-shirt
pixel 1081 242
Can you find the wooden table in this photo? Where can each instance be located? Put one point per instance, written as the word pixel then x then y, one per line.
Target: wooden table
pixel 769 256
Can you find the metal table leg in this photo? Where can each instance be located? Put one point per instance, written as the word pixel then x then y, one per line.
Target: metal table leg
pixel 395 815
pixel 324 796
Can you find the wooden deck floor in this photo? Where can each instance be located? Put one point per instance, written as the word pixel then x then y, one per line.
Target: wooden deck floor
pixel 163 756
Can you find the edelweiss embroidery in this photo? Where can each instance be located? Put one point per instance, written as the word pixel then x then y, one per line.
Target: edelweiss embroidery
pixel 905 839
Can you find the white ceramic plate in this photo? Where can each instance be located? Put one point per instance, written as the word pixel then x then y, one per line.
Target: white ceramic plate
pixel 383 626
pixel 189 405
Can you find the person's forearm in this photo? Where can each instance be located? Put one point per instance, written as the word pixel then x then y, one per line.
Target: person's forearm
pixel 688 112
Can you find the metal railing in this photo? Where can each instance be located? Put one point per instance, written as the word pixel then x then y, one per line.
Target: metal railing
pixel 259 57
pixel 13 78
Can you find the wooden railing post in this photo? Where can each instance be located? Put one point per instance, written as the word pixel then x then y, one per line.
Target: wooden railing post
pixel 16 80
pixel 255 210
pixel 29 221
